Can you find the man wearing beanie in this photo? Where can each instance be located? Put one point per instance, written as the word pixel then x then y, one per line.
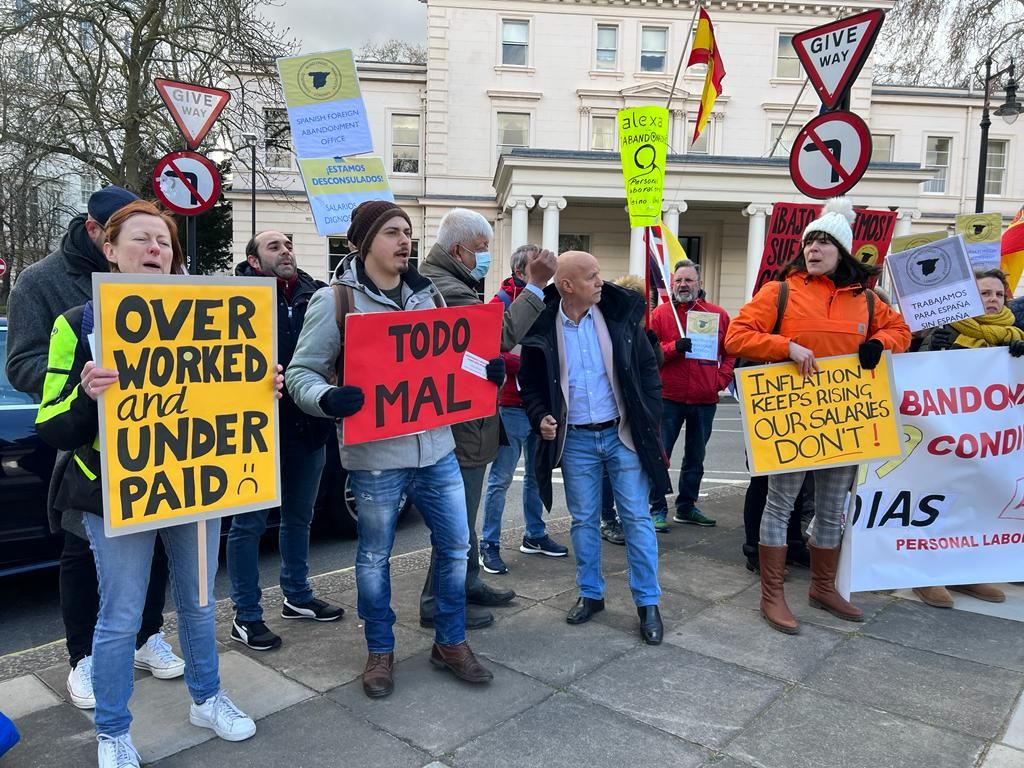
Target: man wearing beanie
pixel 379 278
pixel 41 293
pixel 458 261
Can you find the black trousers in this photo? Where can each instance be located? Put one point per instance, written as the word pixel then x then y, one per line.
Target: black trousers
pixel 753 509
pixel 80 598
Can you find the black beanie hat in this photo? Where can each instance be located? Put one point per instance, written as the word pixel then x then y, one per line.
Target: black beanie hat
pixel 368 218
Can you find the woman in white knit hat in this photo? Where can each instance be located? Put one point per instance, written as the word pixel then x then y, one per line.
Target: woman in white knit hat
pixel 828 310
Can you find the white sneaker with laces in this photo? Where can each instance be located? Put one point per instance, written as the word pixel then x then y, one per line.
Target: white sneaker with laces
pixel 220 714
pixel 157 657
pixel 80 685
pixel 116 752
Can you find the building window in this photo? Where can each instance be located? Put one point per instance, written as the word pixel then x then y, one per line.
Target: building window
pixel 995 170
pixel 653 49
pixel 513 131
pixel 515 42
pixel 405 143
pixel 881 148
pixel 278 138
pixel 691 244
pixel 703 143
pixel 937 161
pixel 573 243
pixel 607 47
pixel 87 184
pixel 785 146
pixel 602 133
pixel 786 62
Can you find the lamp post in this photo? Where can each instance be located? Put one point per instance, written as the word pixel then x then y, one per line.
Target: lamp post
pixel 1008 110
pixel 251 138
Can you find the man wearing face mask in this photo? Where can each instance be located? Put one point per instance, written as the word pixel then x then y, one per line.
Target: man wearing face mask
pixel 456 265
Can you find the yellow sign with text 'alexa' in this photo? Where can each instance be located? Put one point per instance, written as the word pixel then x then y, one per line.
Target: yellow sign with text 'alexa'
pixel 190 430
pixel 839 416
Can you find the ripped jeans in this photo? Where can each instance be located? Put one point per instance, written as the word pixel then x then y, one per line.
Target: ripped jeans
pixel 438 494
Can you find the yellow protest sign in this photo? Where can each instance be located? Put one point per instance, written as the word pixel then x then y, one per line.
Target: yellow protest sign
pixel 318 78
pixel 190 430
pixel 839 416
pixel 981 232
pixel 643 147
pixel 335 186
pixel 906 242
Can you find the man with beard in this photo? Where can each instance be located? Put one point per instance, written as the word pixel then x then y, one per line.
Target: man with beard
pixel 690 390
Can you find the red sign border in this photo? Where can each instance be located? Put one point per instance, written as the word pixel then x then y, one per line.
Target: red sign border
pixel 830 99
pixel 858 124
pixel 169 159
pixel 162 86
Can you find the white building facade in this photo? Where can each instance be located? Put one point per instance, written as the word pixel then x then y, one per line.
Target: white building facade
pixel 513 115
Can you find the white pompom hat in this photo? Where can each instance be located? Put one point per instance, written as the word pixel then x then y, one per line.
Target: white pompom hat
pixel 836 220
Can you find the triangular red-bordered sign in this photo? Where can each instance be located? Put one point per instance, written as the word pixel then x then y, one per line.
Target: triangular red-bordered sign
pixel 834 53
pixel 193 107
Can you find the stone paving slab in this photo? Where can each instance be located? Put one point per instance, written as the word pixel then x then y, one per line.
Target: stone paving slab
pixel 620 611
pixel 1014 735
pixel 55 736
pixel 702 577
pixel 24 695
pixel 872 603
pixel 1003 757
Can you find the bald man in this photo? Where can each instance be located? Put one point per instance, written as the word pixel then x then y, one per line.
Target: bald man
pixel 590 387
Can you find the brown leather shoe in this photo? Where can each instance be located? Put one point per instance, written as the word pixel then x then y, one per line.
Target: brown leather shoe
pixel 461 661
pixel 984 592
pixel 772 562
pixel 936 597
pixel 824 563
pixel 377 675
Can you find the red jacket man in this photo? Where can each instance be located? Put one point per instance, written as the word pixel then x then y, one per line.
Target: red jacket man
pixel 690 386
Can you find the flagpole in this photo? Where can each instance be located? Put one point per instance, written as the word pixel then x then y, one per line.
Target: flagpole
pixel 679 67
pixel 663 258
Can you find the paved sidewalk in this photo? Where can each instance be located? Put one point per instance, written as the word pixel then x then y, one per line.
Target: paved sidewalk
pixel 912 686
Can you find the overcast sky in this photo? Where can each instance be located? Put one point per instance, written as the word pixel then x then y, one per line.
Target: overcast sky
pixel 323 25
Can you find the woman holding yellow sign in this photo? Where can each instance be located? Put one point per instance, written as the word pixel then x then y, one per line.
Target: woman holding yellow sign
pixel 140 240
pixel 827 309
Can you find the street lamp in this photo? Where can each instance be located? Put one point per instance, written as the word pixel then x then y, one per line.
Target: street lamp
pixel 251 138
pixel 1009 111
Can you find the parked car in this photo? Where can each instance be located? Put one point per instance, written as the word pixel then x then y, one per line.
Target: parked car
pixel 26 463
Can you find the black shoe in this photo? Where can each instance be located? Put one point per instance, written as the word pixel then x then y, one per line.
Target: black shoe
pixel 750 552
pixel 255 635
pixel 651 628
pixel 797 553
pixel 475 619
pixel 482 594
pixel 317 610
pixel 584 610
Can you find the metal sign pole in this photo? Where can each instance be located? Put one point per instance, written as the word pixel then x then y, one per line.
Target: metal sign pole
pixel 190 248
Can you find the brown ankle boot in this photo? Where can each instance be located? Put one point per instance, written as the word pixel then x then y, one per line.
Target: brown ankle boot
pixel 773 599
pixel 377 675
pixel 461 661
pixel 936 597
pixel 822 594
pixel 985 592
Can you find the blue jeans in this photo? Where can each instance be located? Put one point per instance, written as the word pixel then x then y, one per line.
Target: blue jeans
pixel 520 438
pixel 585 458
pixel 699 420
pixel 438 494
pixel 300 479
pixel 122 566
pixel 607 500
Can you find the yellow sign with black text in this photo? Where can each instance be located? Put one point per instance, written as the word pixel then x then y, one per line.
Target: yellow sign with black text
pixel 643 147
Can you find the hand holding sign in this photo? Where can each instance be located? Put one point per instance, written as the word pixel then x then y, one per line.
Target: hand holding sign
pixel 96 380
pixel 804 359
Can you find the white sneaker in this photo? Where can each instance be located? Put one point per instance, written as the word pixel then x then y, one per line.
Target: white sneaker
pixel 80 685
pixel 157 657
pixel 117 752
pixel 221 715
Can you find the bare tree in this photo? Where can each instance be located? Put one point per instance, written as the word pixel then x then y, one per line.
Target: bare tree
pixel 393 52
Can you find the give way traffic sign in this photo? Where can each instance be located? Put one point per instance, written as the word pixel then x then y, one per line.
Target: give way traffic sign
pixel 193 107
pixel 186 182
pixel 830 154
pixel 834 53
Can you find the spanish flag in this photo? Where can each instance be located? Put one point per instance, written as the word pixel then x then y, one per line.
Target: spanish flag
pixel 1012 250
pixel 705 51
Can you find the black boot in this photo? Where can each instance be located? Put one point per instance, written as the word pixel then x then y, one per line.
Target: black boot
pixel 797 553
pixel 753 563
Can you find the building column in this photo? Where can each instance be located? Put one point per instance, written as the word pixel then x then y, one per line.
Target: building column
pixel 756 213
pixel 551 207
pixel 671 215
pixel 520 220
pixel 637 252
pixel 904 220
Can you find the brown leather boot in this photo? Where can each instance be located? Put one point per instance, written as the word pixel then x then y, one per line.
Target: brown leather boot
pixel 824 563
pixel 773 599
pixel 461 661
pixel 936 597
pixel 981 591
pixel 377 675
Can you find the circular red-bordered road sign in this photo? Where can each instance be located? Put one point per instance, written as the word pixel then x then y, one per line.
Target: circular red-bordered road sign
pixel 186 182
pixel 830 154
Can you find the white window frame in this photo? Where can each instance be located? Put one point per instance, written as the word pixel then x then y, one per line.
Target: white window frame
pixel 775 58
pixel 617 64
pixel 946 177
pixel 785 148
pixel 511 111
pixel 529 42
pixel 708 134
pixel 892 146
pixel 278 152
pixel 640 48
pixel 989 168
pixel 419 143
pixel 615 133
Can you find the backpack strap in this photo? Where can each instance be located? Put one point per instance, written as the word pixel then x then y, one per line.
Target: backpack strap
pixel 343 301
pixel 780 308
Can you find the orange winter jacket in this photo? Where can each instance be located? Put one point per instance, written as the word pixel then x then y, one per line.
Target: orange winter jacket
pixel 825 319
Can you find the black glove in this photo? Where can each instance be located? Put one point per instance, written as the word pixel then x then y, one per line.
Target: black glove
pixel 870 352
pixel 942 338
pixel 683 346
pixel 653 338
pixel 1017 348
pixel 496 371
pixel 340 402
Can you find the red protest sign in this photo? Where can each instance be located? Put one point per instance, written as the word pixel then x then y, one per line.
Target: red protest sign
pixel 420 370
pixel 872 233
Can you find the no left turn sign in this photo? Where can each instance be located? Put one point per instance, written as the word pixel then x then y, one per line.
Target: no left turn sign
pixel 830 154
pixel 186 182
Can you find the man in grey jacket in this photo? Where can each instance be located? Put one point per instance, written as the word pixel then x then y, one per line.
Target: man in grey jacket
pixel 458 261
pixel 379 278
